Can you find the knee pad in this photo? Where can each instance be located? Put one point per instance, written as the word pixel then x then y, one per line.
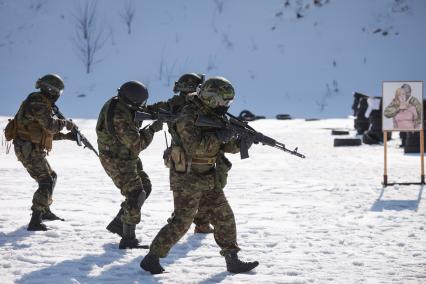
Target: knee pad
pixel 137 198
pixel 48 183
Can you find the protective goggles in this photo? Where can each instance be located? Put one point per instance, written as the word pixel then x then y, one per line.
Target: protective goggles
pixel 216 100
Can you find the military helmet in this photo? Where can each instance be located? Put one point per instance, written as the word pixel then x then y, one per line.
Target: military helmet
pixel 188 83
pixel 133 93
pixel 51 83
pixel 216 92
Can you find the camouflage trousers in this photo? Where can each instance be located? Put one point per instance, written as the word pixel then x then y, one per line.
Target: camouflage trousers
pixel 189 191
pixel 129 177
pixel 223 166
pixel 35 162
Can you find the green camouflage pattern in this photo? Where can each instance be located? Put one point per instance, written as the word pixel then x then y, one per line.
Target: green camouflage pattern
pixel 119 156
pixel 216 92
pixel 35 162
pixel 128 141
pixel 128 175
pixel 197 188
pixel 37 108
pixel 223 165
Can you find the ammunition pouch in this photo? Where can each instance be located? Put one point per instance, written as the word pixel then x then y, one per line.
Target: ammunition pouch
pixel 10 130
pixel 203 161
pixel 167 157
pixel 179 159
pixel 137 198
pixel 36 134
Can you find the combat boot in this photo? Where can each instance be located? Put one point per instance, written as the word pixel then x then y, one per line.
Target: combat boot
pixel 203 229
pixel 151 263
pixel 234 265
pixel 116 226
pixel 50 216
pixel 35 222
pixel 129 241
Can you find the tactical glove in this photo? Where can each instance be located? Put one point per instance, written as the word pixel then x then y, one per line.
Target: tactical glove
pixel 156 126
pixel 71 136
pixel 69 124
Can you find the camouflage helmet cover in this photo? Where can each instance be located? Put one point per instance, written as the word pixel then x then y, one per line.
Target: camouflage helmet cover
pixel 188 83
pixel 52 83
pixel 216 92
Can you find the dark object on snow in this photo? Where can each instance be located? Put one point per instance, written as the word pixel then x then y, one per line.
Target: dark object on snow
pixel 36 222
pixel 247 115
pixel 81 96
pixel 312 119
pixel 152 264
pixel 50 216
pixel 116 226
pixel 235 265
pixel 339 132
pixel 374 135
pixel 339 142
pixel 412 142
pixel 129 241
pixel 283 116
pixel 403 136
pixel 359 107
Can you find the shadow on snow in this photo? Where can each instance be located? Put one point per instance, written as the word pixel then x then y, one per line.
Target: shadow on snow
pixel 397 205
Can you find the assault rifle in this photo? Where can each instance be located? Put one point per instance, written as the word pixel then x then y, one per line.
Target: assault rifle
pixel 161 114
pixel 80 138
pixel 245 132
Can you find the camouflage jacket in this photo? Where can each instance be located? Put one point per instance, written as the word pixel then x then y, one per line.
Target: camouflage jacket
pixel 393 108
pixel 118 133
pixel 200 142
pixel 36 122
pixel 37 108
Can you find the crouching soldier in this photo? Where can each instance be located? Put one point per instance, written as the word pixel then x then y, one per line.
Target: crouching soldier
pixel 185 88
pixel 33 129
pixel 120 140
pixel 193 178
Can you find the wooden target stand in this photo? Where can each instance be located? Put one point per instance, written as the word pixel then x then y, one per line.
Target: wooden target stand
pixel 422 162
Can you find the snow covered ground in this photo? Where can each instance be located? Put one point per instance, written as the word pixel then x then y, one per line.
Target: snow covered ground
pixel 325 219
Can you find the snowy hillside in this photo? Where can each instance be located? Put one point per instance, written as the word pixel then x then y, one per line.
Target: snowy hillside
pixel 325 219
pixel 301 57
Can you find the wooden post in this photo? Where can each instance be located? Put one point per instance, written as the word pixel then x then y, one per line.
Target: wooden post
pixel 385 173
pixel 422 156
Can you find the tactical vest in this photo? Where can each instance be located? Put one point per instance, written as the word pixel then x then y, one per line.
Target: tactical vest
pixel 28 129
pixel 108 142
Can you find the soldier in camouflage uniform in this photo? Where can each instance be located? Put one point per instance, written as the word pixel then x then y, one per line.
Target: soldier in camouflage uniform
pixel 193 178
pixel 120 141
pixel 186 86
pixel 33 129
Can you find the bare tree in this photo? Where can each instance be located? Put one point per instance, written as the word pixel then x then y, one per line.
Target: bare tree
pixel 128 15
pixel 219 5
pixel 89 38
pixel 37 5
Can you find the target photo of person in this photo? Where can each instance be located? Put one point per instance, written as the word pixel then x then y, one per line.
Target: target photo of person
pixel 402 106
